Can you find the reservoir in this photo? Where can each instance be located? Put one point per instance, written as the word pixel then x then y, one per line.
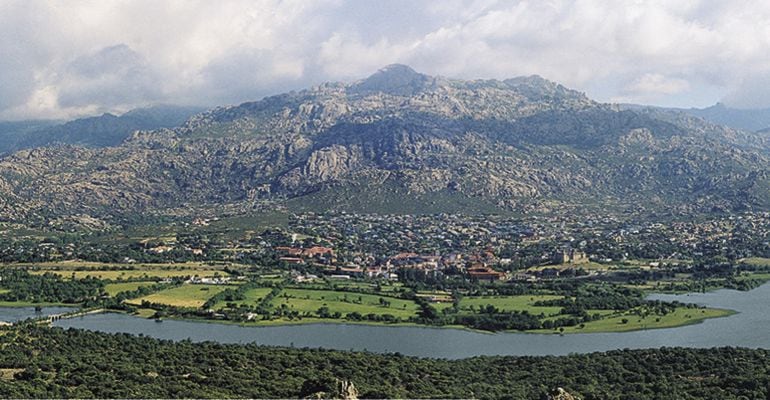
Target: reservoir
pixel 13 314
pixel 747 328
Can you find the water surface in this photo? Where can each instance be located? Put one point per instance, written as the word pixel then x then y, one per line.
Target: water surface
pixel 14 314
pixel 749 328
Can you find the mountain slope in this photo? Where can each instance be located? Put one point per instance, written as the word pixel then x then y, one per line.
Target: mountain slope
pixel 746 119
pixel 401 141
pixel 749 120
pixel 102 131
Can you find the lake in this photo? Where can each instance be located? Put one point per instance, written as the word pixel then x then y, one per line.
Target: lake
pixel 748 328
pixel 13 314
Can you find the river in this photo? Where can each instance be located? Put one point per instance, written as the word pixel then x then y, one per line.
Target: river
pixel 748 328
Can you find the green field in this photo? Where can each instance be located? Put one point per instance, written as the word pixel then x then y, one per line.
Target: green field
pixel 510 303
pixel 304 300
pixel 114 288
pixel 192 296
pixel 32 304
pixel 760 276
pixel 613 322
pixel 252 298
pixel 73 265
pixel 756 261
pixel 132 274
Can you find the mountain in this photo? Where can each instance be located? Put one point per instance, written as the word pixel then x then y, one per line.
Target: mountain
pixel 750 120
pixel 401 141
pixel 746 119
pixel 13 131
pixel 102 131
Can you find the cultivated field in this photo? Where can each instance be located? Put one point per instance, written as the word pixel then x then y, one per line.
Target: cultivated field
pixel 132 273
pixel 614 322
pixel 304 300
pixel 510 303
pixel 252 298
pixel 192 296
pixel 114 288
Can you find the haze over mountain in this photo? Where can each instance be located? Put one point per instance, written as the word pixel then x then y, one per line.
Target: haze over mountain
pixel 401 141
pixel 747 119
pixel 754 119
pixel 102 131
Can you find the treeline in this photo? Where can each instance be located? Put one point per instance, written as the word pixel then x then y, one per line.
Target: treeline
pixel 48 288
pixel 55 363
pixel 597 297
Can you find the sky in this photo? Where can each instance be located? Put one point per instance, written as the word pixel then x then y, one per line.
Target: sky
pixel 66 59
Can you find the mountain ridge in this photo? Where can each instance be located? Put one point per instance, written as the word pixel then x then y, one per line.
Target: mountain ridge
pixel 97 131
pixel 426 143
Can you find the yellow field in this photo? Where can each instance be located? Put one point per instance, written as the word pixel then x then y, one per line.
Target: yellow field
pixel 115 288
pixel 76 264
pixel 132 274
pixel 756 261
pixel 183 296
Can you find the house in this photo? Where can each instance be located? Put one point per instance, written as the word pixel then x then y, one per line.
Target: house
pixel 292 260
pixel 524 277
pixel 289 251
pixel 304 278
pixel 318 251
pixel 483 273
pixel 549 273
pixel 569 256
pixel 414 261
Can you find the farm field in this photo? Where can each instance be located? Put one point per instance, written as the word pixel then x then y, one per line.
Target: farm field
pixel 189 296
pixel 114 288
pixel 763 276
pixel 304 300
pixel 613 322
pixel 511 303
pixel 756 261
pixel 79 265
pixel 131 274
pixel 252 298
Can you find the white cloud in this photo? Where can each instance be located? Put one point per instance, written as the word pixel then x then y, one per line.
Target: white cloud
pixel 656 84
pixel 67 59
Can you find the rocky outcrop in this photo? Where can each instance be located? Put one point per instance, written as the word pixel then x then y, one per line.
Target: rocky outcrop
pixel 520 143
pixel 341 389
pixel 560 394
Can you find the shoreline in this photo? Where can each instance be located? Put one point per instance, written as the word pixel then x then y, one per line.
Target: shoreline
pixel 724 313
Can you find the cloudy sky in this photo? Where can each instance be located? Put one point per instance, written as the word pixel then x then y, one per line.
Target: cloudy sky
pixel 61 59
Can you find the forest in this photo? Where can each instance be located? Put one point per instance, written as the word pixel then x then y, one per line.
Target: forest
pixel 43 362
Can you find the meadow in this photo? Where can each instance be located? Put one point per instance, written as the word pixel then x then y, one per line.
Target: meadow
pixel 305 300
pixel 629 321
pixel 187 296
pixel 113 275
pixel 511 303
pixel 114 288
pixel 252 298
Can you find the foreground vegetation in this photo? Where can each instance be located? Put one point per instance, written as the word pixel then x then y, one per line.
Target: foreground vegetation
pixel 80 364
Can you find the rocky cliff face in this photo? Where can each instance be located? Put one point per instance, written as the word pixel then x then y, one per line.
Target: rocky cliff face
pixel 515 144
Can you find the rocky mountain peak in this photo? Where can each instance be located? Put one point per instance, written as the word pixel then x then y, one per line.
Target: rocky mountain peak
pixel 395 79
pixel 537 88
pixel 410 143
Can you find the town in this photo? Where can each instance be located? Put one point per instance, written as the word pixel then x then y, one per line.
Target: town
pixel 568 273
